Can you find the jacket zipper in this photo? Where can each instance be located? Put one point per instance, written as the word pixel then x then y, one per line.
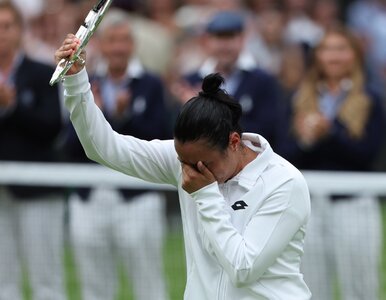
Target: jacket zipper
pixel 221 291
pixel 221 283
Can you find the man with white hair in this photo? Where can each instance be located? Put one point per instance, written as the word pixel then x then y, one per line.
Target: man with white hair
pixel 111 225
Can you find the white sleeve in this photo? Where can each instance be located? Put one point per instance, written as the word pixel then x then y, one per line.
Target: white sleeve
pixel 246 256
pixel 153 161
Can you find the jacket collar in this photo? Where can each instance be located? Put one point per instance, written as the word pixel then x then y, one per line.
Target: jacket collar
pixel 252 171
pixel 17 62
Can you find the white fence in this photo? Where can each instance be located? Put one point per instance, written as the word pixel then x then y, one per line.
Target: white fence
pixel 76 175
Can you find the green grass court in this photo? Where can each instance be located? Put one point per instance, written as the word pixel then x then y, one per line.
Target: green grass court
pixel 175 270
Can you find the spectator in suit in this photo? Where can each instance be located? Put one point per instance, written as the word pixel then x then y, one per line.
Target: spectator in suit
pixel 252 87
pixel 109 225
pixel 31 218
pixel 334 122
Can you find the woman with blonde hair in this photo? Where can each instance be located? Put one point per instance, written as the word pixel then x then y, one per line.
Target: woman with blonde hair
pixel 334 122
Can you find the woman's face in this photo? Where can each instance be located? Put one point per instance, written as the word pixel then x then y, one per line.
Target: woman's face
pixel 223 165
pixel 336 57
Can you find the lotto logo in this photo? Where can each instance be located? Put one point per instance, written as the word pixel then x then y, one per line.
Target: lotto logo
pixel 239 205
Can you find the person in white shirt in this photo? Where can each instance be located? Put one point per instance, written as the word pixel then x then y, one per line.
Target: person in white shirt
pixel 244 208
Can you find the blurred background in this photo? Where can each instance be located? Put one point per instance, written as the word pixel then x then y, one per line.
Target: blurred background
pixel 311 78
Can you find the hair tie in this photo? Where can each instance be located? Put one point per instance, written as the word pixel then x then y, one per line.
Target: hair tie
pixel 205 94
pixel 210 94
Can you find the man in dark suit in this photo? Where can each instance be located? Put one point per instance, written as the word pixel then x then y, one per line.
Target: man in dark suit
pixel 31 218
pixel 253 88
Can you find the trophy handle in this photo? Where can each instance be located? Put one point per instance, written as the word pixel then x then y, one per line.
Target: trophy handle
pixel 84 33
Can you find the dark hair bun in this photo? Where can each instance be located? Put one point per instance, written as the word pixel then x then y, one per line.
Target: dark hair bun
pixel 211 83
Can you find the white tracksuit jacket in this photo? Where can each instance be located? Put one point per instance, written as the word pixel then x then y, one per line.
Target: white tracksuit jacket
pixel 250 251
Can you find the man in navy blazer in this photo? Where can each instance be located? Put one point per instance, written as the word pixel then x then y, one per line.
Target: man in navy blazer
pixel 31 218
pixel 253 88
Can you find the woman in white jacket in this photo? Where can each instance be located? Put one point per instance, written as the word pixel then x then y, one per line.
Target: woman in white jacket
pixel 244 208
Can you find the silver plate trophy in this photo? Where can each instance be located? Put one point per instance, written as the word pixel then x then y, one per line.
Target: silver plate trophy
pixel 84 33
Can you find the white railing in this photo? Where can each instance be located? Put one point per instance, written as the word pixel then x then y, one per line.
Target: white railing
pixel 76 175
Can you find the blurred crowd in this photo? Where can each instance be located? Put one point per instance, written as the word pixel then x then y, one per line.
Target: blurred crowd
pixel 170 34
pixel 310 76
pixel 178 26
pixel 171 41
